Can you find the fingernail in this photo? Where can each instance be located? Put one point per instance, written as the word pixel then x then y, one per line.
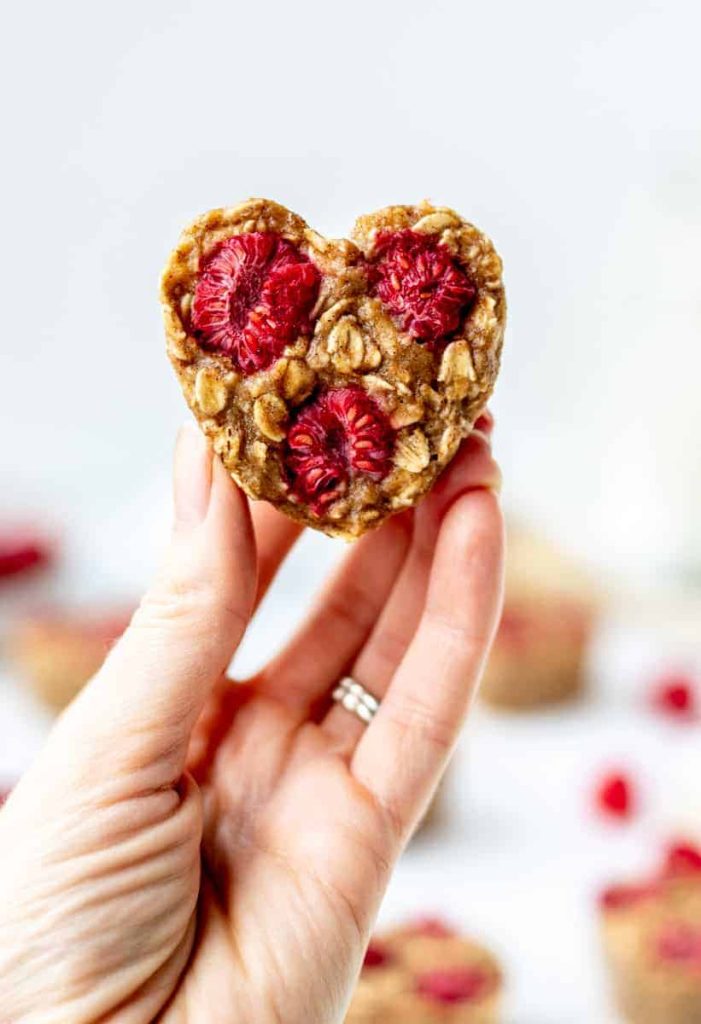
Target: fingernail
pixel 192 476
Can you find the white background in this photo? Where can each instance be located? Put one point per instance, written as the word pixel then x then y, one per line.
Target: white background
pixel 571 134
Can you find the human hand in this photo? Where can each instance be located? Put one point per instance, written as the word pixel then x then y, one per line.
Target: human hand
pixel 189 850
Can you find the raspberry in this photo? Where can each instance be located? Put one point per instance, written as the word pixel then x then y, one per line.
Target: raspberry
pixel 20 553
pixel 682 859
pixel 253 297
pixel 452 984
pixel 417 279
pixel 680 943
pixel 431 928
pixel 614 796
pixel 675 695
pixel 619 897
pixel 376 956
pixel 341 432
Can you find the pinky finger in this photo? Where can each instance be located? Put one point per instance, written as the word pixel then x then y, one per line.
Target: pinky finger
pixel 402 754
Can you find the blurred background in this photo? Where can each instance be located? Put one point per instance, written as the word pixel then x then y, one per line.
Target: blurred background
pixel 571 134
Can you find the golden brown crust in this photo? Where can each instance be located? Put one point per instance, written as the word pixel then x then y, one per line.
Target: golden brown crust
pixel 431 398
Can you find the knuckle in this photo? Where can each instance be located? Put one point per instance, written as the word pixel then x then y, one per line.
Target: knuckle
pixel 179 603
pixel 418 720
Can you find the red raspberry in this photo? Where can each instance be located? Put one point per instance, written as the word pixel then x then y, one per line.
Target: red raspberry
pixel 682 859
pixel 431 928
pixel 339 433
pixel 19 553
pixel 452 984
pixel 675 695
pixel 614 796
pixel 619 897
pixel 680 943
pixel 421 285
pixel 253 297
pixel 376 955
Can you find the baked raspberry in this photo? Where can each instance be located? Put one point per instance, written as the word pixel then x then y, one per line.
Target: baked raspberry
pixel 19 553
pixel 452 985
pixel 376 955
pixel 341 432
pixel 675 695
pixel 681 943
pixel 431 928
pixel 253 297
pixel 620 897
pixel 418 281
pixel 682 859
pixel 614 796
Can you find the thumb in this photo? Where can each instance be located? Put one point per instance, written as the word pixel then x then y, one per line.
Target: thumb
pixel 140 708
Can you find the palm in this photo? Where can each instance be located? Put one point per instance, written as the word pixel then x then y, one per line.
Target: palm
pixel 281 807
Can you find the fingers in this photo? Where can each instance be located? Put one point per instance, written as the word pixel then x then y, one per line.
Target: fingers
pixel 340 621
pixel 473 467
pixel 275 536
pixel 402 753
pixel 144 701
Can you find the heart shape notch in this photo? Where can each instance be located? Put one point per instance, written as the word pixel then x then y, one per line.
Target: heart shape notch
pixel 335 378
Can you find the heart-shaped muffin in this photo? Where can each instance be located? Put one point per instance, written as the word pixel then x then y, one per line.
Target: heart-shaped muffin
pixel 335 378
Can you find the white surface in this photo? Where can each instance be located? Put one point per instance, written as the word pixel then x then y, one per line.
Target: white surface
pixel 569 132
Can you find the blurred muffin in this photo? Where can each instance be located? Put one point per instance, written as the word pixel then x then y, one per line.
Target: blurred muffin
pixel 56 653
pixel 425 973
pixel 540 647
pixel 652 941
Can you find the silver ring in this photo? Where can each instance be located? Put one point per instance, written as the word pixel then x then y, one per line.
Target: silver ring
pixel 356 699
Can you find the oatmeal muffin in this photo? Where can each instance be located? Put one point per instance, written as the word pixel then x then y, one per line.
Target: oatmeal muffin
pixel 334 378
pixel 425 973
pixel 652 941
pixel 539 651
pixel 56 653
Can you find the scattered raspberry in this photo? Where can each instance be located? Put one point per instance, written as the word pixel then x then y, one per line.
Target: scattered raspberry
pixel 614 796
pixel 4 793
pixel 19 553
pixel 675 695
pixel 340 432
pixel 453 984
pixel 431 928
pixel 417 279
pixel 376 955
pixel 680 943
pixel 253 297
pixel 682 859
pixel 619 897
